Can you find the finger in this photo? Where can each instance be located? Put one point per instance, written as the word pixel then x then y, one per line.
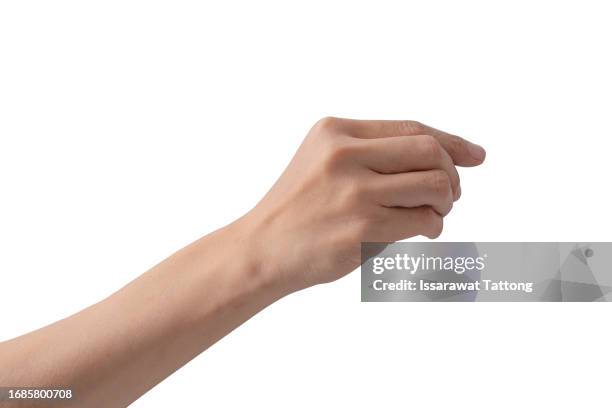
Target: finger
pixel 400 223
pixel 415 189
pixel 462 152
pixel 405 154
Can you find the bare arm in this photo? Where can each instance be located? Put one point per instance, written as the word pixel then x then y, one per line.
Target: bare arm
pixel 350 181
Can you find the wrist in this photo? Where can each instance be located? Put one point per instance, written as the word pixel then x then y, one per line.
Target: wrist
pixel 269 263
pixel 243 249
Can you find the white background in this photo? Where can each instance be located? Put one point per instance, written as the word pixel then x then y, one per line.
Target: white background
pixel 130 128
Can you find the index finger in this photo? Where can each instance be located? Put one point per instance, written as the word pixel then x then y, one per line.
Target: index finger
pixel 463 152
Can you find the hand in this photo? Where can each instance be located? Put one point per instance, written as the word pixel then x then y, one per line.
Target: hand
pixel 354 181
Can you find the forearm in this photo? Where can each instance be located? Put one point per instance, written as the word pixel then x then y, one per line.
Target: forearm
pixel 112 352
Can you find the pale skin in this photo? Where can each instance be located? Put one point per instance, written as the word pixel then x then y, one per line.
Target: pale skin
pixel 351 181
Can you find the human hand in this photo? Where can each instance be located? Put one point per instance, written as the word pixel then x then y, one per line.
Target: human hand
pixel 354 181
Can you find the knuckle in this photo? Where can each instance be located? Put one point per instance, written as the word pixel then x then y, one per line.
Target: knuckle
pixel 326 124
pixel 338 151
pixel 411 127
pixel 457 145
pixel 440 183
pixel 446 206
pixel 430 147
pixel 454 182
pixel 441 187
pixel 335 153
pixel 433 223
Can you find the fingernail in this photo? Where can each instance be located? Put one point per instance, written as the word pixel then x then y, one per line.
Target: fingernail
pixel 458 192
pixel 476 151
